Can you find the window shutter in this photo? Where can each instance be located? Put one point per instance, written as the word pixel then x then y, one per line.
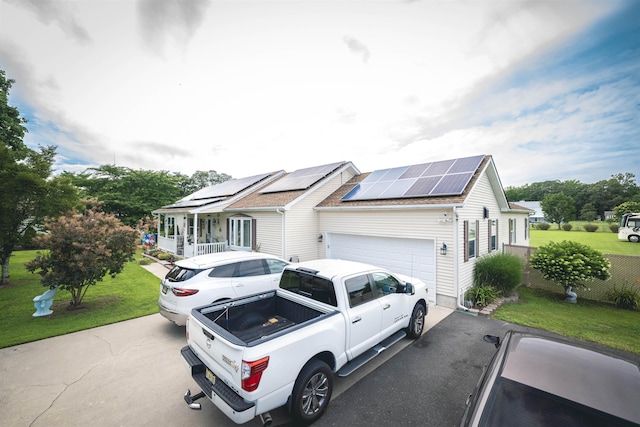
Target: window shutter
pixel 253 234
pixel 466 241
pixel 497 231
pixel 228 231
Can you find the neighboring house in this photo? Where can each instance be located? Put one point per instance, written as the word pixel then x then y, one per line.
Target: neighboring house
pixel 431 220
pixel 537 216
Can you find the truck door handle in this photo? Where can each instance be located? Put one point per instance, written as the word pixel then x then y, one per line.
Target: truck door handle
pixel 386 306
pixel 356 319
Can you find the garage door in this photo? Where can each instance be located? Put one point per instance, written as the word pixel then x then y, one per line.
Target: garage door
pixel 412 257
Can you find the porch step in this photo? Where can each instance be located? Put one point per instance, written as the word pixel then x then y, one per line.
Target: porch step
pixel 359 361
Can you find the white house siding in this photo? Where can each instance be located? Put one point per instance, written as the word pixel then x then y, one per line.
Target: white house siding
pixel 482 196
pixel 268 232
pixel 398 223
pixel 301 238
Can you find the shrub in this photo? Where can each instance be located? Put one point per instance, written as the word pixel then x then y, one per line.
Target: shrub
pixel 567 227
pixel 570 263
pixel 624 297
pixel 590 227
pixel 614 228
pixel 164 256
pixel 500 271
pixel 543 226
pixel 482 295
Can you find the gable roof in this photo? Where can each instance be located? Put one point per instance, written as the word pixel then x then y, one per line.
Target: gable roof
pixel 336 201
pixel 289 187
pixel 215 198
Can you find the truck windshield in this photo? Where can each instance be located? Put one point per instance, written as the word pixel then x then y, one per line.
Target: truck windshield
pixel 308 285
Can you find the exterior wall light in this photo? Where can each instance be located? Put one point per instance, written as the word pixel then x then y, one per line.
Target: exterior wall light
pixel 443 249
pixel 320 238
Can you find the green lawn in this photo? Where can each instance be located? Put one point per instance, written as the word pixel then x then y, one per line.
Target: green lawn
pixel 133 293
pixel 589 321
pixel 605 242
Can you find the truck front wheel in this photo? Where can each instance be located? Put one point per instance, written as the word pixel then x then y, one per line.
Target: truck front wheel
pixel 416 325
pixel 312 392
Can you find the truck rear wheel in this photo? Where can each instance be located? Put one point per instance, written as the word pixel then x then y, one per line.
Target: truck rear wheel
pixel 416 326
pixel 312 392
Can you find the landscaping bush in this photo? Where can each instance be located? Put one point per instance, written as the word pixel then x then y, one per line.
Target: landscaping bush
pixel 614 228
pixel 543 226
pixel 481 296
pixel 567 227
pixel 500 271
pixel 624 297
pixel 590 227
pixel 164 256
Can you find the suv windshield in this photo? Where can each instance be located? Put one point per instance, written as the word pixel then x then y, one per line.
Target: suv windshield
pixel 180 274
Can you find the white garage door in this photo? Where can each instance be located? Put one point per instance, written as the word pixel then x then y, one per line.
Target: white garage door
pixel 412 257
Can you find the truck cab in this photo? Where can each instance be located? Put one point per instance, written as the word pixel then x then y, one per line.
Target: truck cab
pixel 630 227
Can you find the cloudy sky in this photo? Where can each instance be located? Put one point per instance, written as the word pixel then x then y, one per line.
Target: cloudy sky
pixel 550 88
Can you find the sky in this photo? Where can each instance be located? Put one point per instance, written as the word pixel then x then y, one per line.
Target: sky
pixel 549 88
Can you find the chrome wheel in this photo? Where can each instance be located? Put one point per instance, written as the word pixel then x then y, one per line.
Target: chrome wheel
pixel 315 394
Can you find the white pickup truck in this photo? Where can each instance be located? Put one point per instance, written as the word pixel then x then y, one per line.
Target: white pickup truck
pixel 253 354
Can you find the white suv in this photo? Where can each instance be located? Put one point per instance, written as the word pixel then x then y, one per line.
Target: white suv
pixel 209 278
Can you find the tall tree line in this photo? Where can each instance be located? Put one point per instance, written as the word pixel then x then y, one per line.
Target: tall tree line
pixel 589 200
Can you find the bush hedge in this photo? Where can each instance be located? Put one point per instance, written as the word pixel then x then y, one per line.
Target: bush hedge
pixel 500 271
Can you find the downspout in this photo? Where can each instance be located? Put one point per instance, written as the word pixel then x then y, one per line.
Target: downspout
pixel 282 238
pixel 457 262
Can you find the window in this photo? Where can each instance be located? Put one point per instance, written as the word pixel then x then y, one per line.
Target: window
pixel 359 290
pixel 275 266
pixel 493 234
pixel 385 283
pixel 310 286
pixel 225 270
pixel 512 231
pixel 241 231
pixel 254 267
pixel 526 228
pixel 472 240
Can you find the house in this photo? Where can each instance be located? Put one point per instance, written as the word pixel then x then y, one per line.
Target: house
pixel 537 215
pixel 430 221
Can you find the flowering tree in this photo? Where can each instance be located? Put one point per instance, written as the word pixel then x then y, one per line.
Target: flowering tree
pixel 570 263
pixel 81 249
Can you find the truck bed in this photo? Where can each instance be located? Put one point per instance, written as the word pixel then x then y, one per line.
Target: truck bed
pixel 250 320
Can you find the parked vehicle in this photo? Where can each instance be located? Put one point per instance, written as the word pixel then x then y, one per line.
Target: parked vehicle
pixel 538 381
pixel 254 354
pixel 216 277
pixel 630 227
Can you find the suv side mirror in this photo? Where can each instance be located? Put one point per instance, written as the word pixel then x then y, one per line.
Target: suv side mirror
pixel 492 339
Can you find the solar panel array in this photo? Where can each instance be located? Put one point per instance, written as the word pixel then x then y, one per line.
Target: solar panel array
pixel 301 179
pixel 227 188
pixel 443 178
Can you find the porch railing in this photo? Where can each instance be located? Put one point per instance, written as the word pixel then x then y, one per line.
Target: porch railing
pixel 211 248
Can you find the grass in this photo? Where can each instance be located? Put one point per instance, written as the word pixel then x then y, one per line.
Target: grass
pixel 589 321
pixel 605 242
pixel 133 293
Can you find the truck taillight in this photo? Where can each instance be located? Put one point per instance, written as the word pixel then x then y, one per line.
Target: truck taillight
pixel 252 373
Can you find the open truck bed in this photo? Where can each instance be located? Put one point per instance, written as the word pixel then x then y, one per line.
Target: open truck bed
pixel 251 320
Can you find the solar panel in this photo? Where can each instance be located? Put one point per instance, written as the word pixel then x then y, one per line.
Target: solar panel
pixel 301 179
pixel 227 188
pixel 441 178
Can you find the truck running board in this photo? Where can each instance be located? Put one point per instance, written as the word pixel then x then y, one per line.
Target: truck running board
pixel 356 363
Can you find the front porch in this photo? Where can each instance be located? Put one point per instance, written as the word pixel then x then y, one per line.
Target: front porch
pixel 187 235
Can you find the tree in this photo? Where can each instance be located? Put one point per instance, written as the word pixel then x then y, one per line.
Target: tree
pixel 128 194
pixel 558 208
pixel 82 248
pixel 626 207
pixel 570 264
pixel 28 193
pixel 588 212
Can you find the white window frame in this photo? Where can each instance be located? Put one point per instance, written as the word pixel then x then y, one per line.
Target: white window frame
pixel 493 238
pixel 240 233
pixel 473 238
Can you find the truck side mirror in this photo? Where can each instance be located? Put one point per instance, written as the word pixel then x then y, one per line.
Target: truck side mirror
pixel 408 289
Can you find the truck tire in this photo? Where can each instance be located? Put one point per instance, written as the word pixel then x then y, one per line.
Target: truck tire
pixel 416 326
pixel 312 392
pixel 634 239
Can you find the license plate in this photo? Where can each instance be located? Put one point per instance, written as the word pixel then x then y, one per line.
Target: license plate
pixel 165 288
pixel 210 376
